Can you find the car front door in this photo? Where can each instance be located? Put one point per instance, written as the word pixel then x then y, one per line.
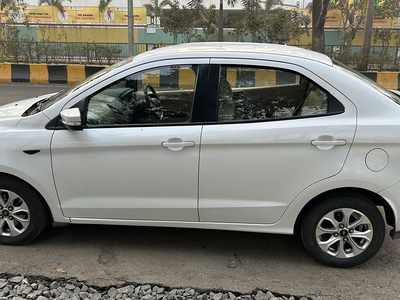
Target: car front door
pixel 137 155
pixel 278 129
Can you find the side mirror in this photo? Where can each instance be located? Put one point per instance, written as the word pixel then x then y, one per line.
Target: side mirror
pixel 71 119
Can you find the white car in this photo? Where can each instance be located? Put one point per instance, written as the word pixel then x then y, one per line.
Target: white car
pixel 231 136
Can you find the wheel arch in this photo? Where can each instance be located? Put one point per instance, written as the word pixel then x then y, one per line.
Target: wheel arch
pixel 376 199
pixel 44 202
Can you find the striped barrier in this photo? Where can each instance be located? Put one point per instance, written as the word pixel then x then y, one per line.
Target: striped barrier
pixel 40 73
pixel 390 80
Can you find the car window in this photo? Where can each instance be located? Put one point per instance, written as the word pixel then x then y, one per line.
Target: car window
pixel 160 95
pixel 254 93
pixel 345 69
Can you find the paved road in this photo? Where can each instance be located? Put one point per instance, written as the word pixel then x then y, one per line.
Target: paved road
pixel 108 255
pixel 10 92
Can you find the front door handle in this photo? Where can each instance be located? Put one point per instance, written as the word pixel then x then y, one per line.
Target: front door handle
pixel 177 144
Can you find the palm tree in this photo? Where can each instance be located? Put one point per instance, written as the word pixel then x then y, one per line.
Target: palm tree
pixel 56 3
pixel 154 10
pixel 232 3
pixel 103 4
pixel 5 3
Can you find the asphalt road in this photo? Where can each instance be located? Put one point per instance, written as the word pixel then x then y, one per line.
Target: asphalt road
pixel 109 255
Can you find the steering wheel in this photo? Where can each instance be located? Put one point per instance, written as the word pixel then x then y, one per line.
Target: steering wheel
pixel 153 94
pixel 153 105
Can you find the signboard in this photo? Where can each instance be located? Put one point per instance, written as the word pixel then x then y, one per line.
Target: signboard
pixel 74 14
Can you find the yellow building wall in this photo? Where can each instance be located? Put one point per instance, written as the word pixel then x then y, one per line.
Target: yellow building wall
pixel 86 34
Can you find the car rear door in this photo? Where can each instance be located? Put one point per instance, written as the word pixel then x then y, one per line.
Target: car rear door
pixel 277 129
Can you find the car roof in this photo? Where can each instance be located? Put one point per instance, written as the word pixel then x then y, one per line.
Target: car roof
pixel 231 50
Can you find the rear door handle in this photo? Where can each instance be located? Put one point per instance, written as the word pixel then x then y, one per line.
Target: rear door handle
pixel 328 143
pixel 177 144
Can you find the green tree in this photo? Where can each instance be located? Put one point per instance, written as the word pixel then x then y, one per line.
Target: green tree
pixel 180 21
pixel 353 16
pixel 272 25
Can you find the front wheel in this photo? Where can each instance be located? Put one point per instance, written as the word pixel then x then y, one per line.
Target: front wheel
pixel 22 212
pixel 343 230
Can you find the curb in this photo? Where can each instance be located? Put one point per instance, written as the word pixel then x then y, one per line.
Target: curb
pixel 39 73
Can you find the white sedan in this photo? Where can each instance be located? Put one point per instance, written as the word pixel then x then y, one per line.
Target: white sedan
pixel 229 136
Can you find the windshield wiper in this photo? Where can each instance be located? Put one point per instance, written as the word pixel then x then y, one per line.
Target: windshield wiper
pixel 35 108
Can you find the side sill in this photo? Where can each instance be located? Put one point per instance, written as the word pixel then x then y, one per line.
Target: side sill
pixel 261 228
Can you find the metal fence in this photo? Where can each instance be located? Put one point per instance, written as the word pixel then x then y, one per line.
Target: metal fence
pixel 381 58
pixel 68 53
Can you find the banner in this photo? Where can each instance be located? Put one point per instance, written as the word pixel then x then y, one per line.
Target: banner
pixel 74 15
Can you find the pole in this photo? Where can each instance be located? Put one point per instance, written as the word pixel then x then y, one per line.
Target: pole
pixel 131 22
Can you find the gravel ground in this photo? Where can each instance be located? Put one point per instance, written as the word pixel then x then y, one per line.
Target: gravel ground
pixel 40 288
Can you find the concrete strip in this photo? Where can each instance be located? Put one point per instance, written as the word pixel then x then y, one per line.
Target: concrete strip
pixel 75 73
pixel 57 73
pixel 389 80
pixel 5 72
pixel 20 73
pixel 39 73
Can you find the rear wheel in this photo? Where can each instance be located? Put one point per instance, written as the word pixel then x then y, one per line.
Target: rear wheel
pixel 343 230
pixel 23 214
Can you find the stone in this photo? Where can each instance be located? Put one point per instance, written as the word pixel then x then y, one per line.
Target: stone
pixel 95 296
pixel 217 296
pixel 125 290
pixel 261 296
pixel 42 287
pixel 54 285
pixel 146 287
pixel 47 294
pixel 70 287
pixel 147 297
pixel 31 296
pixel 84 288
pixel 16 279
pixel 112 292
pixel 63 295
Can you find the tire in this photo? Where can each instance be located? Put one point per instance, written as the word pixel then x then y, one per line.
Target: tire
pixel 23 214
pixel 344 230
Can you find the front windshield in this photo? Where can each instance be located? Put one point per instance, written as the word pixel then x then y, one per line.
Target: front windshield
pixel 391 95
pixel 53 99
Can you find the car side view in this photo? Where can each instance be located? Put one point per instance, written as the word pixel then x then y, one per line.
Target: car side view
pixel 229 136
